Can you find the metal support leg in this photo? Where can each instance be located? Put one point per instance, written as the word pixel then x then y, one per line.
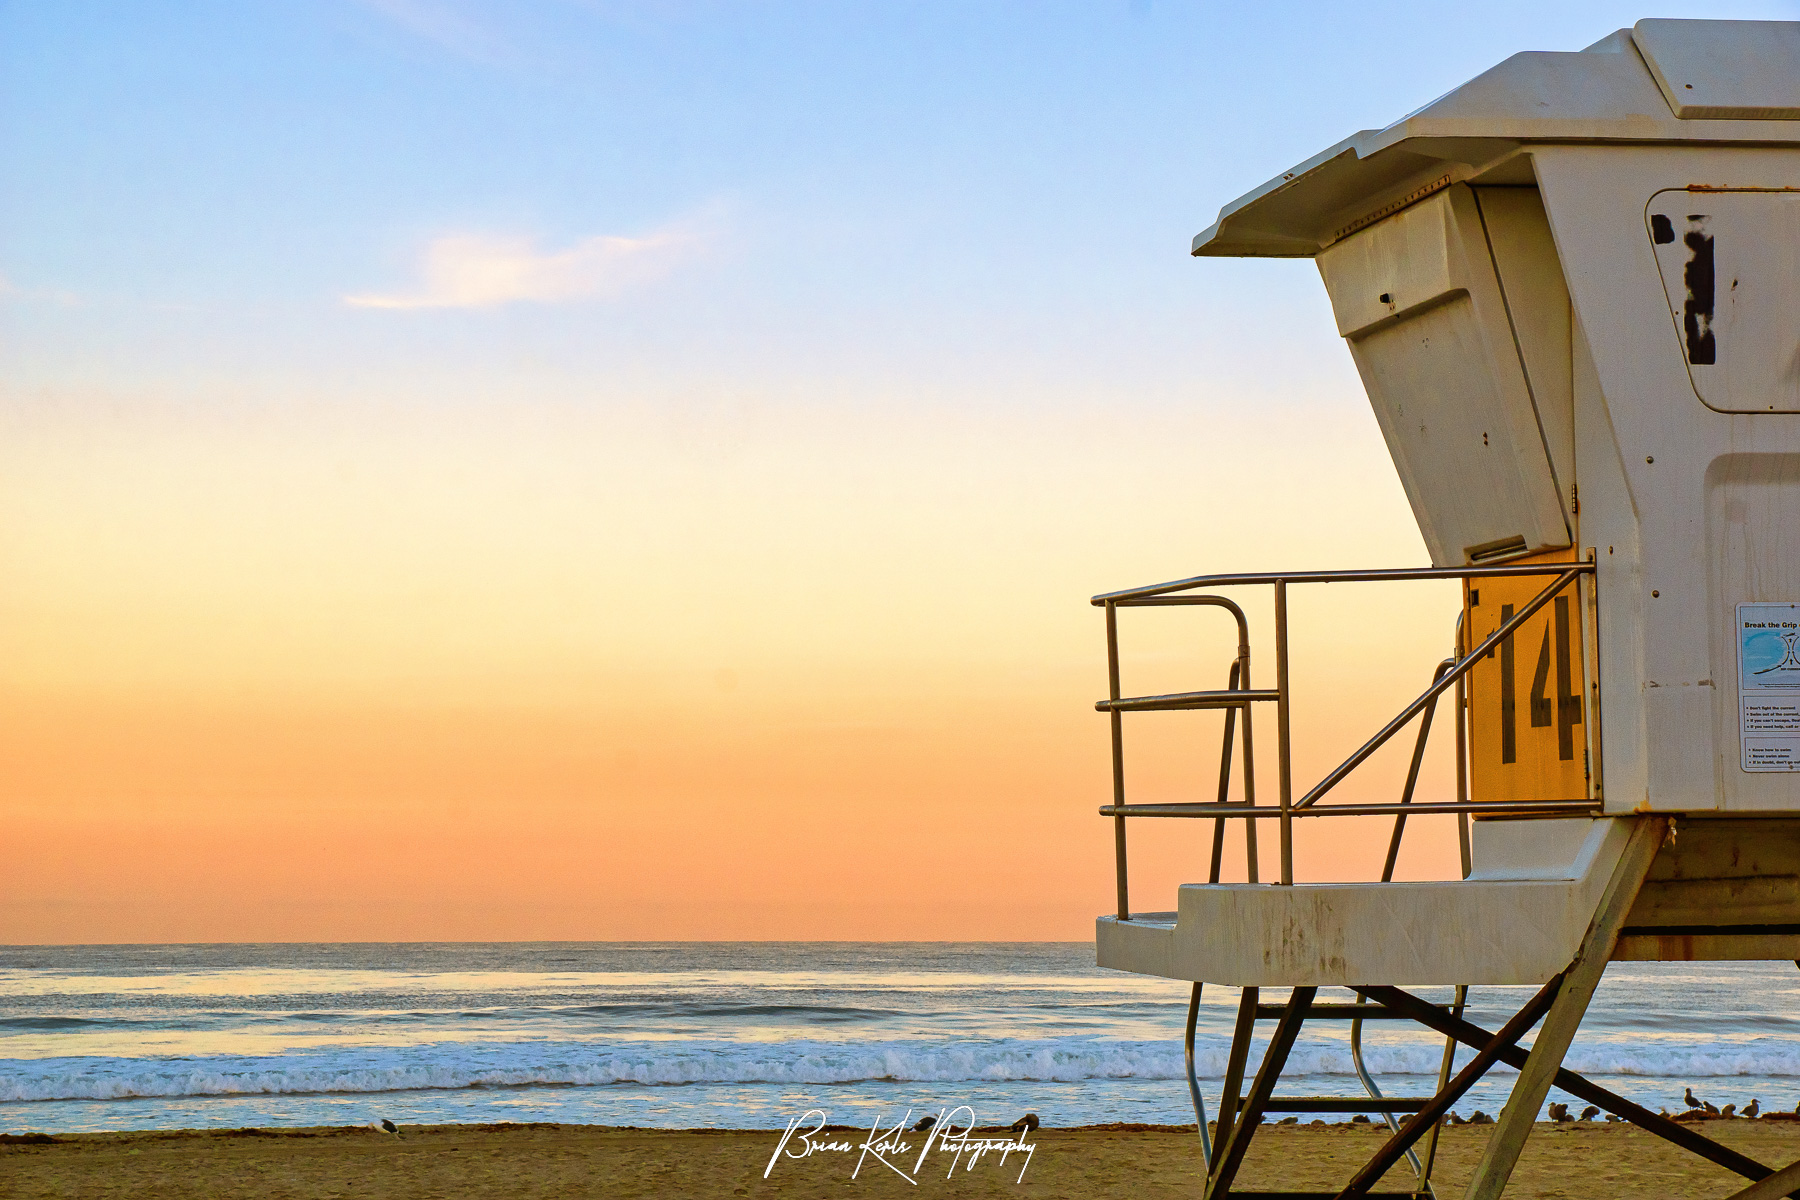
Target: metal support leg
pixel 1194 1080
pixel 1369 1086
pixel 1231 1153
pixel 1564 1018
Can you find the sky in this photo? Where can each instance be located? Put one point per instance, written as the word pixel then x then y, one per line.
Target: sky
pixel 574 470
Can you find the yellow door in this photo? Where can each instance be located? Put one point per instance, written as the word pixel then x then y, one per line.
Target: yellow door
pixel 1527 708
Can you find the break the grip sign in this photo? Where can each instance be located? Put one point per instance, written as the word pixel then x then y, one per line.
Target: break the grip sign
pixel 1769 686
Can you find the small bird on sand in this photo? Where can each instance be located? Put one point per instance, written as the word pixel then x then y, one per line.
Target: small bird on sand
pixel 1709 1108
pixel 1752 1109
pixel 1693 1101
pixel 1026 1123
pixel 390 1127
pixel 924 1124
pixel 1590 1112
pixel 1456 1120
pixel 1481 1118
pixel 1560 1113
pixel 1729 1109
pixel 1614 1118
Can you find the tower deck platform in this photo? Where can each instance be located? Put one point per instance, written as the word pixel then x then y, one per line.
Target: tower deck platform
pixel 1723 888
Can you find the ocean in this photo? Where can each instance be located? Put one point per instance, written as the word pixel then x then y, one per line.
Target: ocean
pixel 754 1034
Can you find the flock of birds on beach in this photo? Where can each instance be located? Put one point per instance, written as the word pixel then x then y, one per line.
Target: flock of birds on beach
pixel 1697 1110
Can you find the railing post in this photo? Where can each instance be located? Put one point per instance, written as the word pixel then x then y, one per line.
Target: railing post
pixel 1412 777
pixel 1218 835
pixel 1250 866
pixel 1118 757
pixel 1462 754
pixel 1588 591
pixel 1282 754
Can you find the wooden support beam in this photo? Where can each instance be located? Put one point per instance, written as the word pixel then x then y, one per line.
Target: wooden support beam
pixel 1231 1153
pixel 1570 1005
pixel 1427 1118
pixel 1433 1017
pixel 1234 1066
pixel 1781 1183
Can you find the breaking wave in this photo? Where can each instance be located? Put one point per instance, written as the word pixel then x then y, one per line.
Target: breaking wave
pixel 794 1062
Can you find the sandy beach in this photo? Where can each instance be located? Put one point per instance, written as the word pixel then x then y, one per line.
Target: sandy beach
pixel 523 1161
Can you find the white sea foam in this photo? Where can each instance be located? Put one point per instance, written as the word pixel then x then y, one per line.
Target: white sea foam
pixel 737 1034
pixel 793 1062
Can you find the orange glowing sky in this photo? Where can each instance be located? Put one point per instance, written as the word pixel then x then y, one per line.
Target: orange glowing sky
pixel 579 476
pixel 321 673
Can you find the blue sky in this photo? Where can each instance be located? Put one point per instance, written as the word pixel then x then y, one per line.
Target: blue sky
pixel 964 194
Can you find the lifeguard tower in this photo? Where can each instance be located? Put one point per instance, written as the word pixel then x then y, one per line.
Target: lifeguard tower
pixel 1572 289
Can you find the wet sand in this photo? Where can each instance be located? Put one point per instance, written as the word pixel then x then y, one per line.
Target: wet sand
pixel 528 1161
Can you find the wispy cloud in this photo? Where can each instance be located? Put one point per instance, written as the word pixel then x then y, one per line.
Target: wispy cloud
pixel 483 271
pixel 446 26
pixel 61 297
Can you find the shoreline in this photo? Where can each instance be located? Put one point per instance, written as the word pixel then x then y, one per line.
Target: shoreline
pixel 44 1137
pixel 1095 1162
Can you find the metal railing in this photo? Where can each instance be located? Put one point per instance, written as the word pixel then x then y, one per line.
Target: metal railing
pixel 1238 698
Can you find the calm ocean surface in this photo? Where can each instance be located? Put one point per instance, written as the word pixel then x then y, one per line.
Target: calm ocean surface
pixel 750 1035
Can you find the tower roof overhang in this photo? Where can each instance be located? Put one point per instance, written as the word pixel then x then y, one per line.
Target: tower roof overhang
pixel 1670 81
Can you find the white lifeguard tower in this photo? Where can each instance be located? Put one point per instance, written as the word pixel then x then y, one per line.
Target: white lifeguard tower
pixel 1572 289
